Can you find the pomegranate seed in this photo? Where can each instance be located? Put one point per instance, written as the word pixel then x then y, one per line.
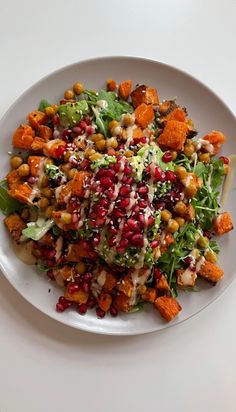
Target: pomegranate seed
pixel 128 235
pixel 136 209
pixel 142 204
pixel 84 164
pixel 112 241
pixel 82 309
pixel 124 242
pixel 133 224
pixel 117 167
pixel 225 159
pixel 62 300
pixel 167 157
pixel 124 202
pixel 110 193
pixel 88 277
pixel 50 274
pixel 59 151
pixel 124 191
pixel 55 120
pixel 31 180
pixel 154 244
pixel 151 221
pixel 87 119
pixel 96 239
pixel 143 190
pixel 73 287
pixel 85 287
pixel 73 162
pixel 141 219
pixel 50 263
pixel 188 260
pixel 160 204
pixel 120 250
pixel 192 267
pixel 60 307
pixel 93 255
pixel 74 217
pixel 77 130
pixel 89 130
pixel 159 174
pixel 130 181
pixel 120 147
pixel 207 233
pixel 86 245
pixel 113 311
pixel 157 273
pixel 117 213
pixel 83 125
pixel 91 302
pixel 100 313
pixel 104 203
pixel 101 212
pixel 137 240
pixel 171 176
pixel 106 181
pixel 113 230
pixel 128 170
pixel 111 152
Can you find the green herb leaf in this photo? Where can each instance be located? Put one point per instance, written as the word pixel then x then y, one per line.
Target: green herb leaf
pixel 43 104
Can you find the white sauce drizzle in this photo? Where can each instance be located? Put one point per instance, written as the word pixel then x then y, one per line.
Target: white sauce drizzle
pixel 206 144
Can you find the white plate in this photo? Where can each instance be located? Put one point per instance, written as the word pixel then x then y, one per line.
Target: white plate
pixel 207 111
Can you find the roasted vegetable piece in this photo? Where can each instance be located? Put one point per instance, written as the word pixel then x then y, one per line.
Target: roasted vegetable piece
pixel 137 133
pixel 124 89
pixel 149 295
pixel 126 286
pixel 122 302
pixel 54 148
pixel 177 114
pixel 45 132
pixel 23 137
pixel 168 307
pixel 104 301
pixel 111 85
pixel 211 272
pixel 216 139
pixel 66 273
pixel 76 251
pixel 35 163
pixel 36 118
pixel 38 144
pixel 144 94
pixel 15 225
pixel 174 135
pixel 186 278
pixel 77 186
pixel 223 223
pixel 162 284
pixel 79 296
pixel 22 193
pixel 144 115
pixel 13 179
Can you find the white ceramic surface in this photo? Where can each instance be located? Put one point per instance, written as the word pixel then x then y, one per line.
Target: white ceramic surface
pixel 207 111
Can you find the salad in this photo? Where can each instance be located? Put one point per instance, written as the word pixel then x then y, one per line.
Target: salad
pixel 115 196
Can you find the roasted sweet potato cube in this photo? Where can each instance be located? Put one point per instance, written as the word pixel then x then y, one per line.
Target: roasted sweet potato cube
pixel 38 144
pixel 190 213
pixel 63 193
pixel 36 118
pixel 174 135
pixel 13 179
pixel 54 148
pixel 35 163
pixel 78 181
pixel 211 272
pixel 137 133
pixel 23 137
pixel 79 296
pixel 66 273
pixel 76 251
pixel 104 301
pixel 126 286
pixel 186 278
pixel 47 240
pixel 15 225
pixel 121 302
pixel 223 223
pixel 144 94
pixel 216 138
pixel 166 107
pixel 177 114
pixel 144 115
pixel 111 85
pixel 124 89
pixel 110 282
pixel 22 192
pixel 149 295
pixel 45 132
pixel 167 306
pixel 162 284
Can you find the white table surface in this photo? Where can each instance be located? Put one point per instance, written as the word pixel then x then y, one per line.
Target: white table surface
pixel 45 366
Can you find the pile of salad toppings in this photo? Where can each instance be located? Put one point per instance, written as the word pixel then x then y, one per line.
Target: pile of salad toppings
pixel 117 197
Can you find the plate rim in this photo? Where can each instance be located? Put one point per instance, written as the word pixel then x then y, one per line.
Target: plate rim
pixel 61 320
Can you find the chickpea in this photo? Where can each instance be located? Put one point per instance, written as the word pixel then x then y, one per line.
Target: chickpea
pixel 67 155
pixel 190 190
pixel 180 221
pixel 181 172
pixel 65 167
pixel 71 173
pixel 128 120
pixel 43 181
pixel 78 88
pixel 66 218
pixel 142 289
pixel 196 253
pixel 113 124
pixel 226 169
pixel 69 94
pixel 112 142
pixel 80 267
pixel 55 107
pixel 172 226
pixel 203 242
pixel 174 154
pixel 16 161
pixel 88 153
pixel 97 137
pixel 210 256
pixel 95 156
pixel 166 215
pixel 48 161
pixel 200 182
pixel 23 170
pixel 189 149
pixel 180 208
pixel 50 111
pixel 43 203
pixel 47 192
pixel 101 145
pixel 129 153
pixel 48 211
pixel 33 214
pixel 25 213
pixel 204 157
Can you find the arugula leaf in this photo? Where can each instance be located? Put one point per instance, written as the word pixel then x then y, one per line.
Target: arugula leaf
pixel 217 173
pixel 8 204
pixel 36 230
pixel 43 104
pixel 200 169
